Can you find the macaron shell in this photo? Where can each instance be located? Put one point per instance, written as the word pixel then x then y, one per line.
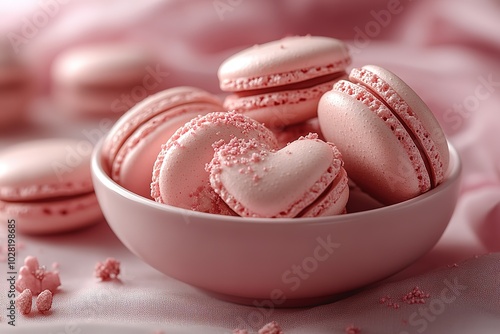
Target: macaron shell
pixel 149 108
pixel 280 108
pixel 43 169
pixel 374 158
pixel 103 65
pixel 53 216
pixel 179 175
pixel 133 165
pixel 281 62
pixel 411 109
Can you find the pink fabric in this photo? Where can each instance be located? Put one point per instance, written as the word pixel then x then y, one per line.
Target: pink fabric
pixel 447 50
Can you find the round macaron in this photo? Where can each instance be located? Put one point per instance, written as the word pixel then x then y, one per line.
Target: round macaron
pixel 133 143
pixel 179 175
pixel 303 179
pixel 15 88
pixel 46 187
pixel 104 80
pixel 280 82
pixel 393 146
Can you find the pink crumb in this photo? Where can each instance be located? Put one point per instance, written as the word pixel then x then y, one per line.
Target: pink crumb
pixel 44 301
pixel 454 265
pixel 352 330
pixel 389 302
pixel 108 270
pixel 271 328
pixel 36 278
pixel 240 331
pixel 24 301
pixel 415 296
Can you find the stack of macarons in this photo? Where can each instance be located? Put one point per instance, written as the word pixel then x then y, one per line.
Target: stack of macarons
pixel 294 131
pixel 45 186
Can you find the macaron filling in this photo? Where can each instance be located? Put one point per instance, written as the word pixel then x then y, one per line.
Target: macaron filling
pixel 283 79
pixel 328 198
pixel 298 85
pixel 61 206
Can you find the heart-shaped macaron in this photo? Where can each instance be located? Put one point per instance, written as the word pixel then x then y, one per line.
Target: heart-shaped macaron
pixel 303 179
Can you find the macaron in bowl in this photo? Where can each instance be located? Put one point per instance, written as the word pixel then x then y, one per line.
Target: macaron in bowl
pixel 45 186
pixel 393 146
pixel 287 261
pixel 280 82
pixel 135 140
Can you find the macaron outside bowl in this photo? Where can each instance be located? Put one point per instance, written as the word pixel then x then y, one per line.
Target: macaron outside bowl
pixel 288 262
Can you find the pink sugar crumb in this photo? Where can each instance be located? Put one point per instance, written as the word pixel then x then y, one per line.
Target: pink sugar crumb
pixel 24 301
pixel 389 302
pixel 415 296
pixel 352 330
pixel 36 278
pixel 240 331
pixel 44 301
pixel 108 270
pixel 271 328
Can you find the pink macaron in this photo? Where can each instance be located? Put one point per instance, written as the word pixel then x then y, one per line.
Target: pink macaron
pixel 179 175
pixel 15 88
pixel 280 82
pixel 46 187
pixel 133 143
pixel 392 145
pixel 104 80
pixel 303 179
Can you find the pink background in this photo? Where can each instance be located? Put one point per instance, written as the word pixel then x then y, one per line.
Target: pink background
pixel 447 50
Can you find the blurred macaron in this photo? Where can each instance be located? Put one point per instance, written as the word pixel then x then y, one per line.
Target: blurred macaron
pixel 105 80
pixel 15 88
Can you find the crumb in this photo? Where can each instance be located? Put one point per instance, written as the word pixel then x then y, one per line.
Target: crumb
pixel 454 265
pixel 36 278
pixel 240 331
pixel 24 301
pixel 415 296
pixel 44 301
pixel 271 328
pixel 352 330
pixel 108 270
pixel 389 302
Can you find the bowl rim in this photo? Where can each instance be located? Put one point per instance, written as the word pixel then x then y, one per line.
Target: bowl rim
pixel 98 171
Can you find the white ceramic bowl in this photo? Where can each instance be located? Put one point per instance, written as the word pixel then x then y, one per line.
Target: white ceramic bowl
pixel 289 262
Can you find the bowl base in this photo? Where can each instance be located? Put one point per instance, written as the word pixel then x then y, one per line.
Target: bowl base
pixel 282 303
